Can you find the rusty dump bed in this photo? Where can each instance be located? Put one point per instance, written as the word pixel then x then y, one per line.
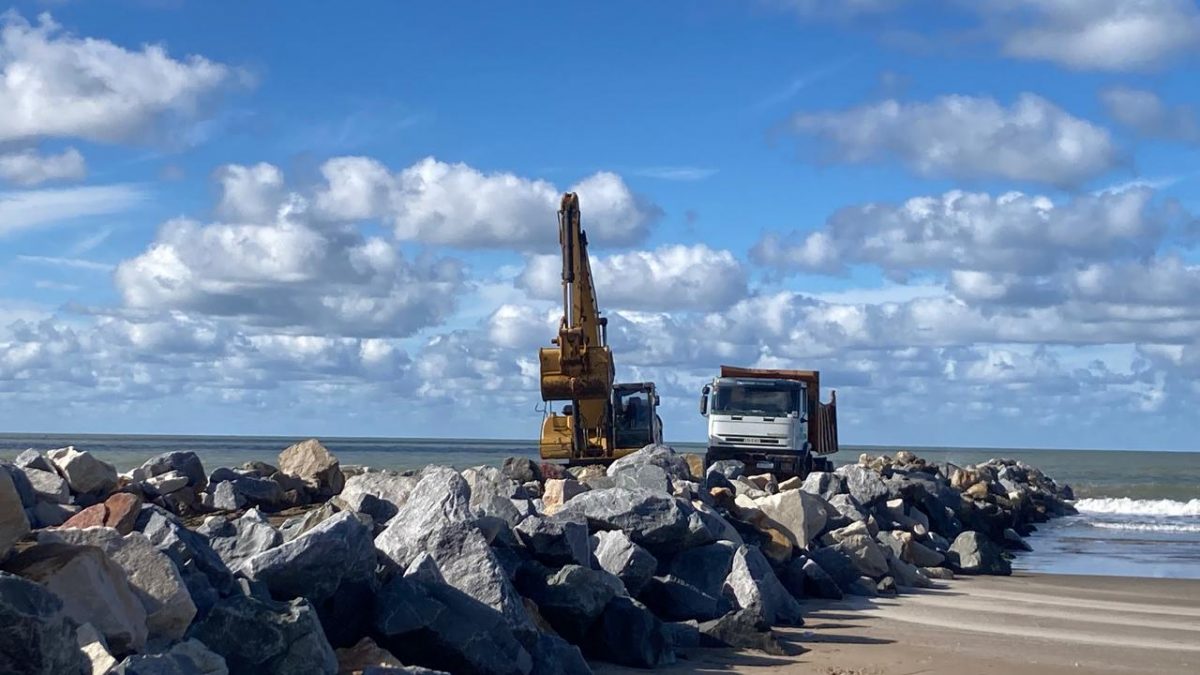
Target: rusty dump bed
pixel 809 377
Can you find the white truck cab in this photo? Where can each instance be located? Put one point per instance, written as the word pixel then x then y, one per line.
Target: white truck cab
pixel 771 420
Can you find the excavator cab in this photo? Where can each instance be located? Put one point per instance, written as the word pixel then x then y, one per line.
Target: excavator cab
pixel 636 423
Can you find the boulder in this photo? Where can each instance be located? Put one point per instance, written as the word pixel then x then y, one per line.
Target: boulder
pixel 14 524
pixel 674 599
pixel 1014 541
pixel 799 514
pixel 261 492
pixel 907 575
pixel 365 654
pixel 837 565
pixel 297 525
pixel 224 498
pixel 752 583
pixel 83 472
pixel 743 629
pixel 616 554
pixel 559 491
pixel 704 567
pixel 907 548
pixel 165 483
pixel 25 492
pixel 238 540
pixel 553 655
pixel 92 516
pixel 661 456
pixel 312 463
pixel 32 459
pixel 267 637
pixel 438 626
pixel 824 484
pixel 38 637
pixel 123 509
pixel 151 575
pixel 190 657
pixel 203 571
pixel 937 573
pixel 315 564
pixel 695 464
pixel 182 463
pixel 48 486
pixel 49 514
pixel 643 476
pixel 720 528
pixel 94 590
pixel 91 643
pixel 803 577
pixel 865 553
pixel 863 484
pixel 555 541
pixel 628 634
pixel 521 469
pixel 730 469
pixel 487 483
pixel 440 496
pixel 572 598
pixel 654 520
pixel 973 553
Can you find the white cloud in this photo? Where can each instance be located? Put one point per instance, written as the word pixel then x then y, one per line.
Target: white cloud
pixel 1117 35
pixel 1014 232
pixel 674 277
pixel 456 205
pixel 29 209
pixel 1145 113
pixel 29 167
pixel 680 173
pixel 967 137
pixel 74 263
pixel 54 84
pixel 280 269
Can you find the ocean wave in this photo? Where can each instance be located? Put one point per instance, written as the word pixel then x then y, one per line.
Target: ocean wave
pixel 1148 527
pixel 1139 507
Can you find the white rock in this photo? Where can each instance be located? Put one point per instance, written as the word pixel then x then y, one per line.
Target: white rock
pixel 91 643
pixel 84 473
pixel 166 483
pixel 799 514
pixel 377 493
pixel 154 578
pixel 13 523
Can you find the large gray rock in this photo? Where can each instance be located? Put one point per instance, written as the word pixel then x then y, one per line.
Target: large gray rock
pixel 716 524
pixel 553 655
pixel 151 574
pixel 628 634
pixel 824 484
pixel 849 508
pixel 84 473
pixel 37 637
pixel 164 484
pixel 704 567
pixel 312 463
pixel 572 598
pixel 187 464
pixel 555 541
pixel 616 554
pixel 674 599
pixel 973 553
pixel 865 553
pixel 438 626
pixel 49 486
pixel 49 514
pixel 837 565
pixel 752 583
pixel 224 497
pixel 190 657
pixel 487 483
pixel 94 590
pixel 672 464
pixel 905 547
pixel 378 494
pixel 907 575
pixel 267 637
pixel 13 523
pixel 863 484
pixel 297 525
pixel 32 459
pixel 727 468
pixel 21 484
pixel 207 577
pixel 799 514
pixel 440 496
pixel 521 469
pixel 240 539
pixel 644 476
pixel 743 629
pixel 315 564
pixel 803 577
pixel 654 520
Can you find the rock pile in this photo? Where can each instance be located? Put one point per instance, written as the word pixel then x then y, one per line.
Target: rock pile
pixel 523 568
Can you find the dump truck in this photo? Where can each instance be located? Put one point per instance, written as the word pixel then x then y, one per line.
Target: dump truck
pixel 773 421
pixel 600 420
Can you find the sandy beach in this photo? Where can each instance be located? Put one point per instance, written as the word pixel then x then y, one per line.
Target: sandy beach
pixel 1027 623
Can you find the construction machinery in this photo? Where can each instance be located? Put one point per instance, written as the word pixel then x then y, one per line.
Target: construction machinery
pixel 600 420
pixel 773 421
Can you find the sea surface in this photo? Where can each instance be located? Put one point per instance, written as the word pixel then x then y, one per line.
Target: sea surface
pixel 1139 512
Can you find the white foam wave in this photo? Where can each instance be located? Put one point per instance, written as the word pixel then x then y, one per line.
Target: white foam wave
pixel 1148 527
pixel 1139 507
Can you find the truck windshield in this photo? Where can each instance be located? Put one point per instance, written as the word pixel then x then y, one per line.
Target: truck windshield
pixel 766 399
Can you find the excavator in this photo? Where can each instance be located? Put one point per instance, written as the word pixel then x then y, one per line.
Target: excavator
pixel 600 419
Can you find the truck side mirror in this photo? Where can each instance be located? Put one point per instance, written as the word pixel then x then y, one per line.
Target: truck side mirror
pixel 704 400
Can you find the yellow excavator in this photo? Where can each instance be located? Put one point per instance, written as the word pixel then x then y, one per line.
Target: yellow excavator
pixel 600 420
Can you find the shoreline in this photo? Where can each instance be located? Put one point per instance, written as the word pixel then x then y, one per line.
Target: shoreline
pixel 1026 623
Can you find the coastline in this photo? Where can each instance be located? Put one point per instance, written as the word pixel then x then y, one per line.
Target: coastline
pixel 1026 623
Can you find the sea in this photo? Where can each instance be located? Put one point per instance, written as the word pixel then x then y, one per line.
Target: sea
pixel 1139 512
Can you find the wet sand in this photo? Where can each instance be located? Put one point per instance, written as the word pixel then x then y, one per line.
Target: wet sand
pixel 1027 623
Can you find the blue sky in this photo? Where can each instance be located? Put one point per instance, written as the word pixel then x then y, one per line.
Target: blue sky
pixel 977 219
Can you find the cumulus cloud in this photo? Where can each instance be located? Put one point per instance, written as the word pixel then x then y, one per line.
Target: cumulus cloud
pixel 675 277
pixel 457 205
pixel 279 269
pixel 1145 113
pixel 57 85
pixel 968 137
pixel 1014 233
pixel 1117 35
pixel 28 167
